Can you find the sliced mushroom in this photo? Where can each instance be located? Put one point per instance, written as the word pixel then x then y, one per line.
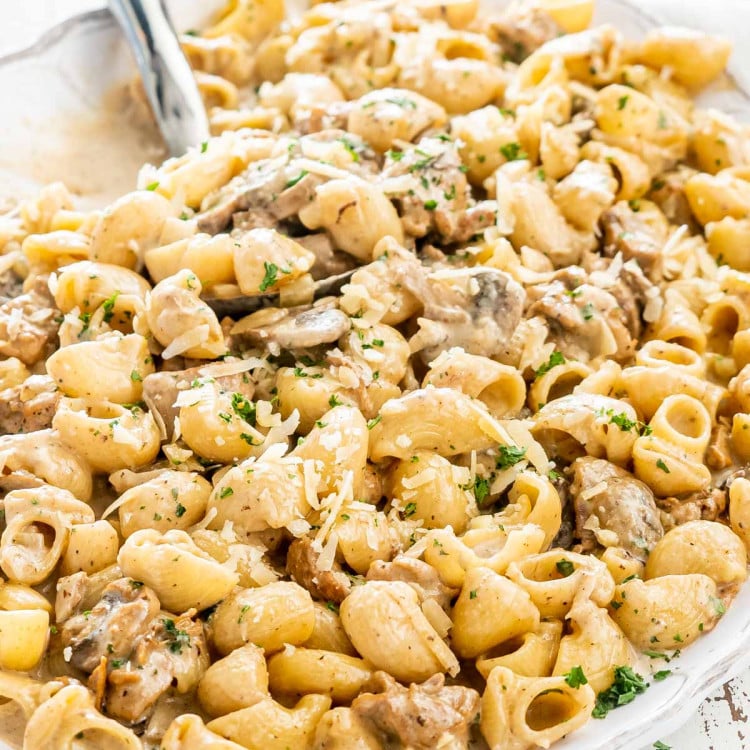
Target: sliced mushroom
pixel 293 328
pixel 613 506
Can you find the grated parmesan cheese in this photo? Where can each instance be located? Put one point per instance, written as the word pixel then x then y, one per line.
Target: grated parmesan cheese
pixel 184 342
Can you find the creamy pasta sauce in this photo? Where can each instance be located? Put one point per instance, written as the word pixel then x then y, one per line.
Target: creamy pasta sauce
pixel 409 410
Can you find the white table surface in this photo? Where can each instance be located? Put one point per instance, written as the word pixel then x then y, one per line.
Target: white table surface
pixel 721 722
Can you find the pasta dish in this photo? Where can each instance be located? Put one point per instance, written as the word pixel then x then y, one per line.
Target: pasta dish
pixel 410 410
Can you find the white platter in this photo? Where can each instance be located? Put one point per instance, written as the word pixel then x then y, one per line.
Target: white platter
pixel 62 120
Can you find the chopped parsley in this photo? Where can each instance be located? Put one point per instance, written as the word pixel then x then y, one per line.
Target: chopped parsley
pixel 180 510
pixel 555 359
pixel 247 438
pixel 659 745
pixel 719 606
pixel 565 568
pixel 410 509
pixel 351 148
pixel 269 279
pixel 480 487
pixel 109 306
pixel 430 205
pixel 622 102
pixel 394 155
pixel 622 421
pixel 226 492
pixel 291 183
pixel 334 401
pixel 575 678
pixel 243 612
pixel 661 465
pixel 135 376
pixel 177 638
pixel 152 186
pixel 371 423
pixel 244 408
pixel 587 311
pixel 509 455
pixel 204 146
pixel 626 686
pixel 403 102
pixel 513 152
pixel 662 674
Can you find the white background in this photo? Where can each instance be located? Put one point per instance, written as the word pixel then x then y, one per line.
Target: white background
pixel 721 723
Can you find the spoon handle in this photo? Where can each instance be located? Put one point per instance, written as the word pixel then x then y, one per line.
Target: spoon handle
pixel 167 78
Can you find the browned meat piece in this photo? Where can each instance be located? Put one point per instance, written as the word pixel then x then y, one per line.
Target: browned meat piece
pixel 160 389
pixel 29 323
pixel 668 192
pixel 331 116
pixel 522 30
pixel 706 505
pixel 172 653
pixel 475 308
pixel 29 406
pixel 566 535
pixel 628 232
pixel 270 186
pixel 328 262
pixel 620 503
pixel 112 626
pixel 630 292
pixel 423 578
pixel 302 565
pixel 293 327
pixel 584 321
pixel 433 194
pixel 11 285
pixel 718 453
pixel 79 591
pixel 420 716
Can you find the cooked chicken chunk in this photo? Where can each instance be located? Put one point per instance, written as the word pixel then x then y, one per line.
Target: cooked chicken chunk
pixel 29 406
pixel 172 653
pixel 423 578
pixel 476 308
pixel 29 323
pixel 302 565
pixel 609 499
pixel 522 29
pixel 112 626
pixel 584 321
pixel 419 717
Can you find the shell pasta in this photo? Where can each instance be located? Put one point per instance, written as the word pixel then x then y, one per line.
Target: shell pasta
pixel 410 410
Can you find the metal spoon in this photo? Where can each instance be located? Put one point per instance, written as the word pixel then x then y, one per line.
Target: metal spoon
pixel 167 77
pixel 247 303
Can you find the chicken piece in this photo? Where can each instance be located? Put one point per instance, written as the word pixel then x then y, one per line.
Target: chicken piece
pixel 161 389
pixel 292 328
pixel 112 626
pixel 318 118
pixel 328 261
pixel 609 500
pixel 632 291
pixel 172 653
pixel 719 453
pixel 633 234
pixel 668 192
pixel 423 578
pixel 302 565
pixel 522 29
pixel 28 407
pixel 11 285
pixel 270 186
pixel 584 321
pixel 566 535
pixel 419 717
pixel 29 323
pixel 706 505
pixel 432 192
pixel 81 591
pixel 475 308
